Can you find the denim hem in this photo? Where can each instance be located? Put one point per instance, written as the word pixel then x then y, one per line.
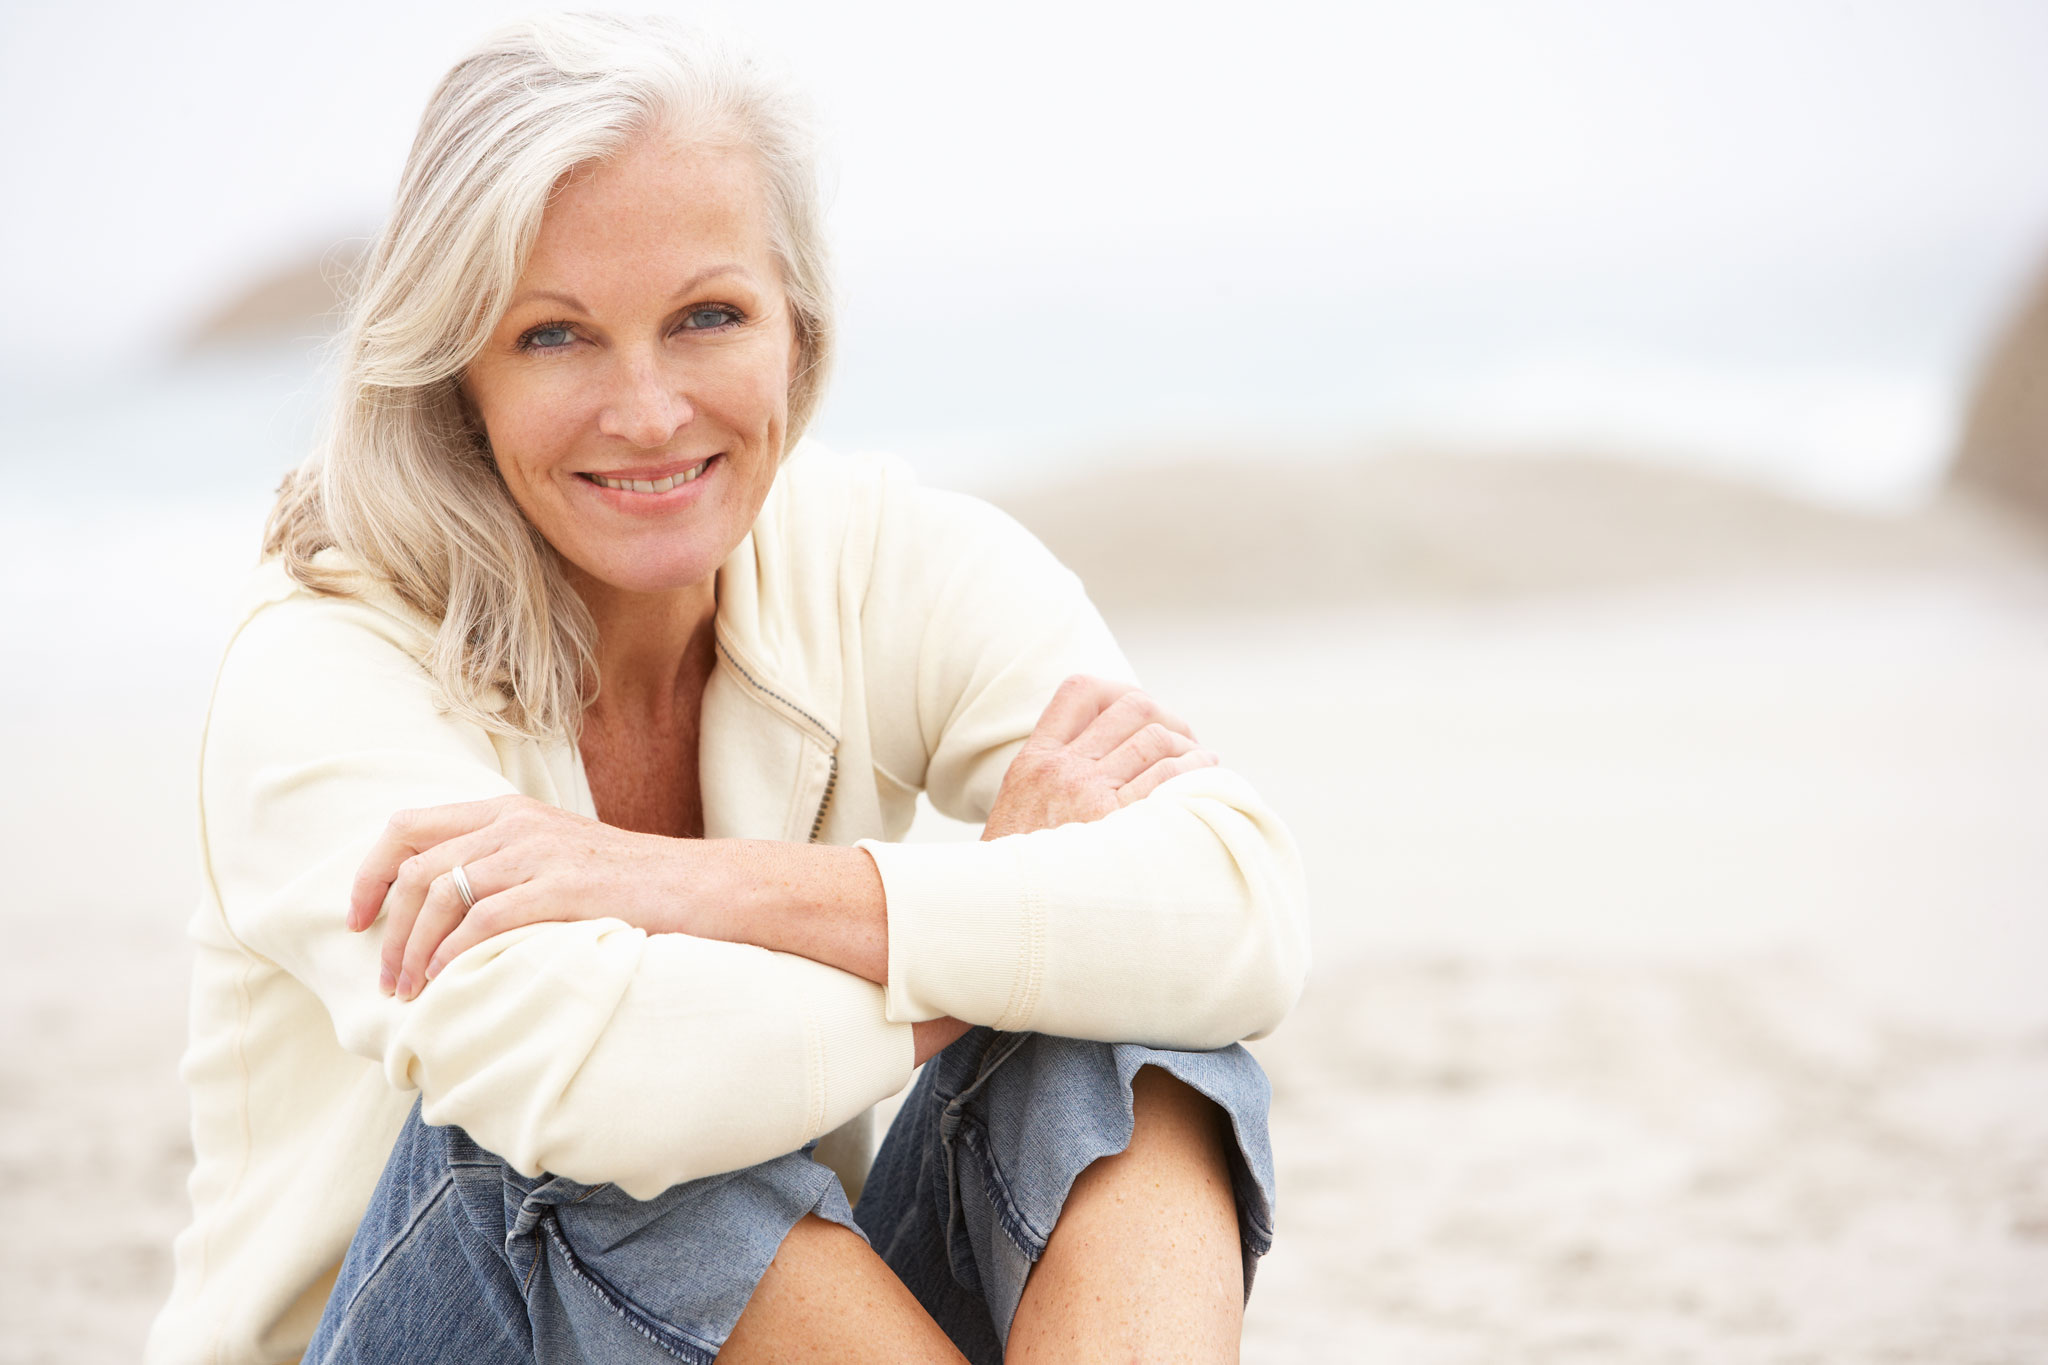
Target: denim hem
pixel 1018 1118
pixel 1019 1229
pixel 1255 1218
pixel 545 1269
pixel 670 1339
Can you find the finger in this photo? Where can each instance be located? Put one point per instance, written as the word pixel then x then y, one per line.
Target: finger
pixel 1145 783
pixel 407 834
pixel 427 950
pixel 440 912
pixel 492 916
pixel 444 913
pixel 1079 700
pixel 1142 750
pixel 412 887
pixel 1121 719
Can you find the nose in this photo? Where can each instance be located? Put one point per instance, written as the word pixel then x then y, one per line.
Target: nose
pixel 647 405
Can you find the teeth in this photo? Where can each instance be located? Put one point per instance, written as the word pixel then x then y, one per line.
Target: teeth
pixel 651 485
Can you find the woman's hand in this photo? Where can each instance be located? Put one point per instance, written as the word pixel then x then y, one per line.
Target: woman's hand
pixel 526 861
pixel 1098 747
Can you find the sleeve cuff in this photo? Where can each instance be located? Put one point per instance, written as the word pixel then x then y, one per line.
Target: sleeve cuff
pixel 965 937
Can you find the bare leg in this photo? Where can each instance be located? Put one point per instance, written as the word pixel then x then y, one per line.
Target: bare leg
pixel 828 1297
pixel 1144 1263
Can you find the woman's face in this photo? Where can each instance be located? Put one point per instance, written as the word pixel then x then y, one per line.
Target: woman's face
pixel 637 389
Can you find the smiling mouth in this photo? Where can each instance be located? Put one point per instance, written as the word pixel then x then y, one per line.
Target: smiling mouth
pixel 661 485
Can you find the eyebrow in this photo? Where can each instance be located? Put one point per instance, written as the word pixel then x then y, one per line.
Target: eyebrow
pixel 572 302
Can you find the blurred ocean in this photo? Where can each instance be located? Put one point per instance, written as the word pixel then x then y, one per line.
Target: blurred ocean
pixel 1016 370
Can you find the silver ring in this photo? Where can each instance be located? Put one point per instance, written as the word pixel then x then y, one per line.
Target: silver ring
pixel 462 888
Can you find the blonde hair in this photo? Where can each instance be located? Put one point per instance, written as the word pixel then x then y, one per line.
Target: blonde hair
pixel 402 482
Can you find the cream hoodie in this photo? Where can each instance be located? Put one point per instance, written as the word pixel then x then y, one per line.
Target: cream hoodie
pixel 875 639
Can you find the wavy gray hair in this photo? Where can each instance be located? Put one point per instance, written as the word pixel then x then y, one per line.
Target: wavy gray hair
pixel 402 483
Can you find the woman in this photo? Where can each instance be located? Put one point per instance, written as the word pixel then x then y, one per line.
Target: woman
pixel 552 775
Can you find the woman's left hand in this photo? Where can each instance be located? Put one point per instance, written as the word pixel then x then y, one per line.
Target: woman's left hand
pixel 526 861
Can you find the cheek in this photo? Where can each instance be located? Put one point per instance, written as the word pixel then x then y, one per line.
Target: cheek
pixel 530 429
pixel 755 396
pixel 759 385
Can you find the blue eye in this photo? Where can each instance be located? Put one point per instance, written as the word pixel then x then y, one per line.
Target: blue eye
pixel 703 319
pixel 549 338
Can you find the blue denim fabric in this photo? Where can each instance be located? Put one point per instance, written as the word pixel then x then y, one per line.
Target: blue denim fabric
pixel 461 1258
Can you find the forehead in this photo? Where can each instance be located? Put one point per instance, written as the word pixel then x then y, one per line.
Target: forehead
pixel 660 206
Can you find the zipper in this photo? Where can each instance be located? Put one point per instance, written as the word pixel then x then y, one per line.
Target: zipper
pixel 803 721
pixel 787 706
pixel 831 781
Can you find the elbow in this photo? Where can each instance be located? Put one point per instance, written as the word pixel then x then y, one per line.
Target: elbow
pixel 1274 907
pixel 1255 970
pixel 1275 970
pixel 1274 990
pixel 1239 923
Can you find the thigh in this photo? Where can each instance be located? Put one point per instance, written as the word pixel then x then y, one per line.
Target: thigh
pixel 971 1179
pixel 828 1296
pixel 462 1258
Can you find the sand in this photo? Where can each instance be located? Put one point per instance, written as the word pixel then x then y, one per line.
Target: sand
pixel 1679 929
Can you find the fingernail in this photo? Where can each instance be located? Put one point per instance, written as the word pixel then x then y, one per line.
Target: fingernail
pixel 405 985
pixel 384 982
pixel 433 970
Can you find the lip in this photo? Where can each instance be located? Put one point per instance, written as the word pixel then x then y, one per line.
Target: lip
pixel 626 500
pixel 651 472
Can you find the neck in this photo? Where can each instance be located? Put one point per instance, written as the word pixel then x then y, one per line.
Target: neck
pixel 648 644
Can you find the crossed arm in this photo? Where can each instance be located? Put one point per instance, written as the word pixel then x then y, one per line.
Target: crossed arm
pixel 1099 746
pixel 602 1050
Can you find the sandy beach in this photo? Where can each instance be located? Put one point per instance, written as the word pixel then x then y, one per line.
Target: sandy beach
pixel 1679 857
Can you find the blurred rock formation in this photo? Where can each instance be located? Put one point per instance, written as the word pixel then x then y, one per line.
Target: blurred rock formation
pixel 1262 532
pixel 298 301
pixel 2004 452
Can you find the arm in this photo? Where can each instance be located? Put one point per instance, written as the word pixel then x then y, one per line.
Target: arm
pixel 1179 920
pixel 1098 747
pixel 591 1049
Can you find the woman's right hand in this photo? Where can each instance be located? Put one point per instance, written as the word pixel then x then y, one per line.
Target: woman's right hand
pixel 1098 747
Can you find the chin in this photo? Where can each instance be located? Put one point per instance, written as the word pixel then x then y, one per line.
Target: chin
pixel 654 573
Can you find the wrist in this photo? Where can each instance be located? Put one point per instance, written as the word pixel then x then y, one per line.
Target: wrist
pixel 695 891
pixel 819 901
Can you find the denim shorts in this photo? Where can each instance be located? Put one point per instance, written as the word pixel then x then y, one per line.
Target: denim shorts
pixel 461 1258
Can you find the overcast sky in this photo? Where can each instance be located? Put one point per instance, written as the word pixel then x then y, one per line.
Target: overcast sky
pixel 1404 176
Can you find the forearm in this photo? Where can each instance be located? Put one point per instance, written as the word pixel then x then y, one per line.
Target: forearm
pixel 1061 931
pixel 600 1053
pixel 815 900
pixel 1179 921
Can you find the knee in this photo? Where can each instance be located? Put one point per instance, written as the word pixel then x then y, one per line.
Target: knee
pixel 1166 1109
pixel 1180 1141
pixel 1161 1217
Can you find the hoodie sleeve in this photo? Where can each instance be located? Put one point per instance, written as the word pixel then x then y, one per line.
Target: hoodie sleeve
pixel 1178 921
